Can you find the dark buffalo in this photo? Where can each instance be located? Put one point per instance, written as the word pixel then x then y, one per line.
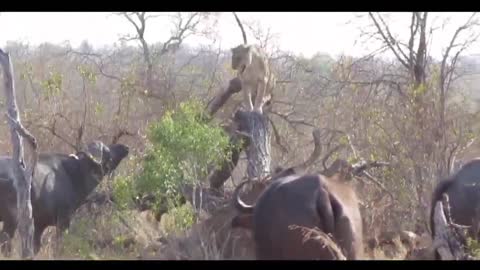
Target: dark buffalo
pixel 463 190
pixel 311 201
pixel 60 185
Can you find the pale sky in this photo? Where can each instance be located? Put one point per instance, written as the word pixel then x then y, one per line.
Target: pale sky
pixel 300 32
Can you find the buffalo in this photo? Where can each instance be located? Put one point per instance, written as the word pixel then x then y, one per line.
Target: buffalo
pixel 309 201
pixel 60 185
pixel 463 190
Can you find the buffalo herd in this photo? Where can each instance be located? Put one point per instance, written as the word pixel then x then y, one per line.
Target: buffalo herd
pixel 330 204
pixel 290 201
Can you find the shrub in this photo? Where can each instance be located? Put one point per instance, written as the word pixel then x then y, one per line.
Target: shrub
pixel 178 219
pixel 473 247
pixel 183 148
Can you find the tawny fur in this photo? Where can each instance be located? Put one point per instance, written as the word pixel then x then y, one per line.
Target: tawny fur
pixel 254 72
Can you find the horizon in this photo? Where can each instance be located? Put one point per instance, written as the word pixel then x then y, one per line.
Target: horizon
pixel 302 33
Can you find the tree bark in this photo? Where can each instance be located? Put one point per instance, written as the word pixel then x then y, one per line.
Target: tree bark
pixel 140 28
pixel 23 175
pixel 254 126
pixel 234 86
pixel 218 177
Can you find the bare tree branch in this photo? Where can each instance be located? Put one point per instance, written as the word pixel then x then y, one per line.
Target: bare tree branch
pixel 121 133
pixel 317 150
pixel 278 138
pixel 392 39
pixel 100 64
pixel 22 131
pixel 53 131
pixel 182 31
pixel 140 29
pixel 380 185
pixel 388 41
pixel 290 121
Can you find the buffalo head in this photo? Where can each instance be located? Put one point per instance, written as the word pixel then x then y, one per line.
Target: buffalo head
pixel 117 153
pixel 95 162
pixel 103 158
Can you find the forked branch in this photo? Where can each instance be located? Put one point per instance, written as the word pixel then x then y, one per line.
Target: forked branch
pixel 23 131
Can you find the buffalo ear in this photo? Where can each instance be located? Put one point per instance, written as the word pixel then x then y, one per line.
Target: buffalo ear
pixel 242 221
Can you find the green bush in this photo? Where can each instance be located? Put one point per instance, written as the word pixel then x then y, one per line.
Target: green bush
pixel 94 237
pixel 178 219
pixel 123 191
pixel 473 247
pixel 75 240
pixel 183 147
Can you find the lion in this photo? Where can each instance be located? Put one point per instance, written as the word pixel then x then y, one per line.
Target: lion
pixel 254 72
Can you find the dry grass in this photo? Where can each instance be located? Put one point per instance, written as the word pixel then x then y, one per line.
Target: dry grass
pixel 46 253
pixel 390 250
pixel 202 242
pixel 108 234
pixel 209 239
pixel 111 234
pixel 317 235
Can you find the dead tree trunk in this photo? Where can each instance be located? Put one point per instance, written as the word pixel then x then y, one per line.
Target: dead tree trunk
pixel 254 126
pixel 218 177
pixel 23 175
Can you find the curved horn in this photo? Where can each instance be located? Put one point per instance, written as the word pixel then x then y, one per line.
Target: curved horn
pixel 239 204
pixel 90 157
pixel 241 28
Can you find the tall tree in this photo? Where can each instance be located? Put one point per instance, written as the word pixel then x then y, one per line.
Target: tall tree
pixel 23 174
